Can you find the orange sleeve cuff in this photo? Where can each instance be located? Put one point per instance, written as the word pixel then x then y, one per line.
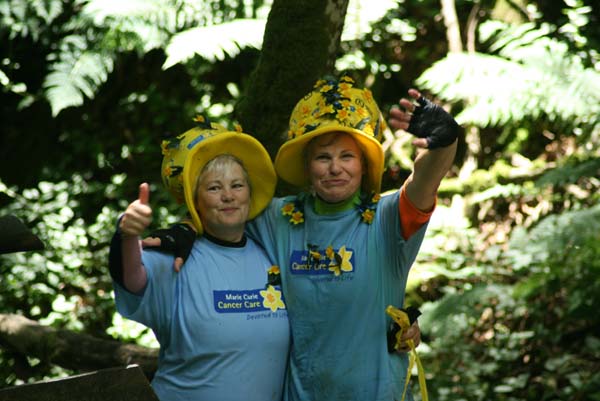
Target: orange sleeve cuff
pixel 411 218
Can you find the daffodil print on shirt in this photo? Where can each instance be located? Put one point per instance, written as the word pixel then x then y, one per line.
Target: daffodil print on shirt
pixel 272 298
pixel 327 261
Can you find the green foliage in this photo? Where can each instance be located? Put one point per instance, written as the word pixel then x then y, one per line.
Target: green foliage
pixel 29 18
pixel 526 76
pixel 78 74
pixel 233 36
pixel 571 172
pixel 66 285
pixel 534 337
pixel 94 38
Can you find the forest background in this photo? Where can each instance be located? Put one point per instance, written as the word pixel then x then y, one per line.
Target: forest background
pixel 508 279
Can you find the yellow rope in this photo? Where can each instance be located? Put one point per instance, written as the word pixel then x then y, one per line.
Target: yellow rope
pixel 401 318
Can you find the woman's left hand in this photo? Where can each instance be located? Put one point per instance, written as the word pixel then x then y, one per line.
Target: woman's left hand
pixel 429 122
pixel 413 333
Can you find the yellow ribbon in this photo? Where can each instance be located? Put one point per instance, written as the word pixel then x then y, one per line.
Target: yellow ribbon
pixel 401 318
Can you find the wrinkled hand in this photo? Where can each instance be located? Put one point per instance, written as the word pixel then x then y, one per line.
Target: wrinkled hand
pixel 413 333
pixel 138 215
pixel 176 240
pixel 430 123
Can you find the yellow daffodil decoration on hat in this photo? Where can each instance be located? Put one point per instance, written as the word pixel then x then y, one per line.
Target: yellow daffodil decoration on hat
pixel 334 106
pixel 175 151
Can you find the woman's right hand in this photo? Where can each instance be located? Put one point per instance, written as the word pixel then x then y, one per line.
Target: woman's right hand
pixel 138 215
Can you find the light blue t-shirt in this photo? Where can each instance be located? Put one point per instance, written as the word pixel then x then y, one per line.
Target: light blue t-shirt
pixel 223 335
pixel 338 275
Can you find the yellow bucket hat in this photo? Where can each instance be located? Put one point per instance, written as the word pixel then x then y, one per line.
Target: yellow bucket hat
pixel 185 155
pixel 333 106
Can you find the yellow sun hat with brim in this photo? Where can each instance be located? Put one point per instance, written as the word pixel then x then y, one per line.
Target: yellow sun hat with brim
pixel 185 155
pixel 333 106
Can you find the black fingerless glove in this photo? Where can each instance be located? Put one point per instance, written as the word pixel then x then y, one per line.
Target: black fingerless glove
pixel 176 240
pixel 433 123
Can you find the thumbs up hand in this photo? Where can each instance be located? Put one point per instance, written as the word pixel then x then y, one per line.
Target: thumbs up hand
pixel 138 215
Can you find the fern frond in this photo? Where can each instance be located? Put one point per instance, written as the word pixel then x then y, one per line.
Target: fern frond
pixel 492 85
pixel 362 14
pixel 570 173
pixel 76 74
pixel 215 42
pixel 555 233
pixel 172 16
pixel 532 76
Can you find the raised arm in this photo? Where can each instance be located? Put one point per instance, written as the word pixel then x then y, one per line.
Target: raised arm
pixel 437 134
pixel 135 220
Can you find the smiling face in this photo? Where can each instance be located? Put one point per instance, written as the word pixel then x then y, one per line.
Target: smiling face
pixel 335 166
pixel 223 198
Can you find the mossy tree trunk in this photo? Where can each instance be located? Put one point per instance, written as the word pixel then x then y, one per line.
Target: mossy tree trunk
pixel 300 44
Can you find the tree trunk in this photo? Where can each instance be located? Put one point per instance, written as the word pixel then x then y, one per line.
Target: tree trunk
pixel 300 45
pixel 70 350
pixel 452 26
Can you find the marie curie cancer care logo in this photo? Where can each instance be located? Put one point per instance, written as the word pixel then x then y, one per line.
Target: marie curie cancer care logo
pixel 247 301
pixel 328 261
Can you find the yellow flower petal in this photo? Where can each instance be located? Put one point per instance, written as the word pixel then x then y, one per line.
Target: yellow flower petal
pixel 335 269
pixel 287 209
pixel 316 255
pixel 329 252
pixel 297 218
pixel 342 115
pixel 272 298
pixel 345 255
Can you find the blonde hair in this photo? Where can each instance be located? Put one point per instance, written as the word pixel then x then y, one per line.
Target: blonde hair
pixel 221 165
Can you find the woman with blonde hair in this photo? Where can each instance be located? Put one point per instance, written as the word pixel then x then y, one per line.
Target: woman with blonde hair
pixel 223 332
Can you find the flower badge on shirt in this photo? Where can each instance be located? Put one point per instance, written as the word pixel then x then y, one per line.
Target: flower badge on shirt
pixel 339 261
pixel 273 276
pixel 295 210
pixel 272 298
pixel 368 206
pixel 313 258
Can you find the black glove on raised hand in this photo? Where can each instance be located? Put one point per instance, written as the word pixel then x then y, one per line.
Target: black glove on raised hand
pixel 176 240
pixel 433 123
